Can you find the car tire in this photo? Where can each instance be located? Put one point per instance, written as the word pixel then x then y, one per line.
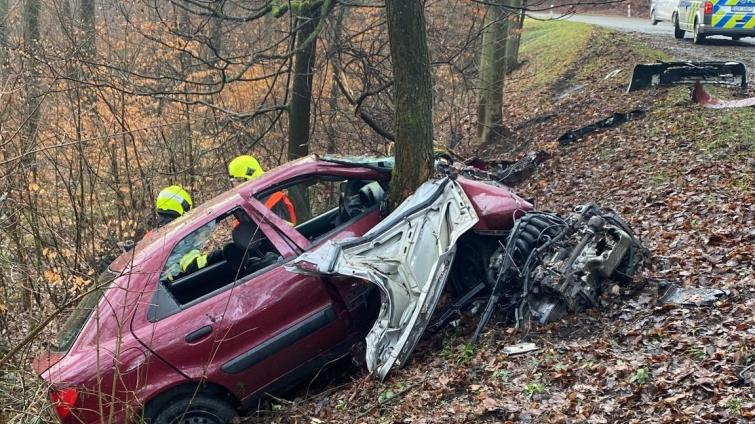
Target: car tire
pixel 678 32
pixel 698 37
pixel 653 20
pixel 192 409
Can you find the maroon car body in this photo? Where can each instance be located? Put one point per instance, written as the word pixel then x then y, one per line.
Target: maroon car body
pixel 147 344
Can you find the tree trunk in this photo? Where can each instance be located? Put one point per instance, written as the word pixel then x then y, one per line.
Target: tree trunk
pixel 301 89
pixel 492 71
pixel 4 21
pixel 301 100
pixel 32 106
pixel 412 98
pixel 516 22
pixel 334 50
pixel 87 22
pixel 211 48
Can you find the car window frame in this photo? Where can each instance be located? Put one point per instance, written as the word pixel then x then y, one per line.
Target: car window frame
pixel 163 303
pixel 290 232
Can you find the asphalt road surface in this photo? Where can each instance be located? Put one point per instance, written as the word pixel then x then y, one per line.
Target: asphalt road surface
pixel 661 36
pixel 626 24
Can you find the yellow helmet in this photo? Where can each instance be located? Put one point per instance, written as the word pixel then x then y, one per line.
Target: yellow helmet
pixel 245 167
pixel 173 200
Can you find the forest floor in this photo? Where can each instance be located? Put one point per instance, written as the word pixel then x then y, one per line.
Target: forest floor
pixel 683 177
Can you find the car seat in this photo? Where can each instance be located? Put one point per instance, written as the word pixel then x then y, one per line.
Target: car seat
pixel 245 255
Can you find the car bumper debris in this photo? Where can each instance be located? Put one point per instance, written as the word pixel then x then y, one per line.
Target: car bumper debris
pixel 614 120
pixel 671 73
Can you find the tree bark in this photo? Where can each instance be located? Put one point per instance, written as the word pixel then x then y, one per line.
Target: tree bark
pixel 87 22
pixel 32 106
pixel 412 97
pixel 492 70
pixel 301 87
pixel 4 21
pixel 516 21
pixel 299 107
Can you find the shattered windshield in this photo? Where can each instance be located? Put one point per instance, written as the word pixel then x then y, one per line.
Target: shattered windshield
pixel 197 240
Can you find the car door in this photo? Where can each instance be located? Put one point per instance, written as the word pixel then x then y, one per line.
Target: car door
pixel 665 9
pixel 249 333
pixel 326 195
pixel 684 12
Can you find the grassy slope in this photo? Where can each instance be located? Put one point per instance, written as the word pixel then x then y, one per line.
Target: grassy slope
pixel 545 63
pixel 683 177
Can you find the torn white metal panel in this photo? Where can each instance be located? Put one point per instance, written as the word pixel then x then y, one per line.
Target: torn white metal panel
pixel 408 256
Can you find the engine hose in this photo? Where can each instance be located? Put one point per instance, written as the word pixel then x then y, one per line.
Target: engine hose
pixel 536 253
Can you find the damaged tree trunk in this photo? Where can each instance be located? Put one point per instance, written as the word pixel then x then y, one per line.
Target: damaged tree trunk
pixel 412 97
pixel 492 71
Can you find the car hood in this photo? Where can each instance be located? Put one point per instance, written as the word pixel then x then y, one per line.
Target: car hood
pixel 408 256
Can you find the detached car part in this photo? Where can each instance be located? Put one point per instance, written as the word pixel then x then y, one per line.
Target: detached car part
pixel 614 120
pixel 408 257
pixel 510 173
pixel 672 294
pixel 699 95
pixel 551 265
pixel 670 73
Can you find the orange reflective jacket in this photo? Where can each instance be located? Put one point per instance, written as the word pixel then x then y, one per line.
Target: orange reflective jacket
pixel 279 203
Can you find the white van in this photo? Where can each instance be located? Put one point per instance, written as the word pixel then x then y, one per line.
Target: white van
pixel 662 10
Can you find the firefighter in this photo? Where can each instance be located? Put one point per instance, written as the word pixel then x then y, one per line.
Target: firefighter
pixel 171 203
pixel 246 168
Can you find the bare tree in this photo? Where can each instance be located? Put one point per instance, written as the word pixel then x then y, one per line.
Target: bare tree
pixel 515 24
pixel 492 71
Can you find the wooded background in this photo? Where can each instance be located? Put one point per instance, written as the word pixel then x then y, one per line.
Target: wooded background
pixel 105 102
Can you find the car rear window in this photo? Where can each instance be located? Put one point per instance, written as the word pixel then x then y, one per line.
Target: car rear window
pixel 81 312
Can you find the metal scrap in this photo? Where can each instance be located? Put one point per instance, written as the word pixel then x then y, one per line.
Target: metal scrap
pixel 614 120
pixel 509 173
pixel 672 294
pixel 408 257
pixel 671 73
pixel 553 265
pixel 699 95
pixel 520 349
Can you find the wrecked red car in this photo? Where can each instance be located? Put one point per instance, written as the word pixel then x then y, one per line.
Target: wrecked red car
pixel 155 343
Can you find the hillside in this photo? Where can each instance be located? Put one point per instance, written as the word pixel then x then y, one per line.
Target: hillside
pixel 683 177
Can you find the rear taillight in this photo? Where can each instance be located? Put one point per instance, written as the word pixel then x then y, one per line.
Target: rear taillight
pixel 64 401
pixel 708 8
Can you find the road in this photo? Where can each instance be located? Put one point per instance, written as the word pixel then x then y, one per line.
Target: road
pixel 661 36
pixel 626 24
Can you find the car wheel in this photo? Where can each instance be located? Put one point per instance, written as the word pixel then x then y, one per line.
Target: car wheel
pixel 188 409
pixel 653 20
pixel 699 38
pixel 678 32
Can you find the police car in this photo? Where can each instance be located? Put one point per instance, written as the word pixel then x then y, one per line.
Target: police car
pixel 732 18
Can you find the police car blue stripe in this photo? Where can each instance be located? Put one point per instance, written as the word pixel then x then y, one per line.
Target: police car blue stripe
pixel 724 20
